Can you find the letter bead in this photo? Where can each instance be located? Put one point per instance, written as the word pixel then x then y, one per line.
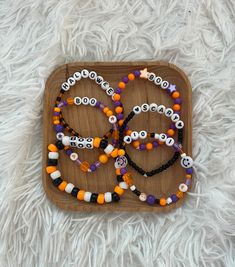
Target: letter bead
pixel 151 76
pixel 179 124
pixel 85 100
pixel 110 91
pixel 162 137
pixel 65 86
pixel 175 117
pixel 104 85
pixel 161 109
pixel 170 141
pixel 77 76
pixel 134 135
pixel 142 134
pixel 137 109
pixel 153 107
pixel 145 107
pixel 92 75
pixel 164 84
pixel 99 79
pixel 158 80
pixel 169 112
pixel 71 81
pixel 127 139
pixel 93 102
pixel 77 101
pixel 85 73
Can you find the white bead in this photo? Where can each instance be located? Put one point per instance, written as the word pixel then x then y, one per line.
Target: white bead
pixel 127 139
pixel 170 141
pixel 156 136
pixel 161 109
pixel 120 162
pixel 112 119
pixel 179 124
pixel 153 107
pixel 71 81
pixel 175 117
pixel 145 107
pixel 158 80
pixel 60 136
pixel 73 156
pixel 77 100
pixel 142 134
pixel 92 75
pixel 168 200
pixel 183 155
pixel 151 76
pixel 164 84
pixel 169 112
pixel 89 143
pixel 56 174
pixel 107 197
pixel 183 187
pixel 81 143
pixel 186 162
pixel 134 135
pixel 109 149
pixel 66 141
pixel 85 73
pixel 77 76
pixel 65 86
pixel 69 187
pixel 162 137
pixel 53 155
pixel 87 196
pixel 93 102
pixel 133 187
pixel 104 85
pixel 99 79
pixel 123 185
pixel 142 197
pixel 137 109
pixel 73 141
pixel 85 100
pixel 110 91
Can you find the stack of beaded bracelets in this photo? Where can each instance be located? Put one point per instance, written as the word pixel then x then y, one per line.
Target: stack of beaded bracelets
pixel 121 137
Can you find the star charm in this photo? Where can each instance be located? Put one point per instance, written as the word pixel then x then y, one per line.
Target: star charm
pixel 144 73
pixel 172 88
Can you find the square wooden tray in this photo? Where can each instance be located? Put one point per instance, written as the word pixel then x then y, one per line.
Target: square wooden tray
pixel 89 122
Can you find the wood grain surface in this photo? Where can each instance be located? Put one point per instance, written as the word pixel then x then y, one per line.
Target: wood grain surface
pixel 90 123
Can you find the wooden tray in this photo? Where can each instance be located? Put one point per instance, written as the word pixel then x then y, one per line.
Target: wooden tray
pixel 88 122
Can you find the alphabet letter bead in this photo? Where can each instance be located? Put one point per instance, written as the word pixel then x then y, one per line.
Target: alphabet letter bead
pixel 134 135
pixel 145 107
pixel 137 109
pixel 77 101
pixel 77 76
pixel 179 124
pixel 153 107
pixel 85 73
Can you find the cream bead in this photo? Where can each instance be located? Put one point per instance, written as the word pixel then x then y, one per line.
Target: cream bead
pixel 142 197
pixel 53 155
pixel 108 197
pixel 123 185
pixel 168 200
pixel 133 187
pixel 87 196
pixel 66 141
pixel 108 150
pixel 156 136
pixel 56 174
pixel 73 156
pixel 69 187
pixel 183 187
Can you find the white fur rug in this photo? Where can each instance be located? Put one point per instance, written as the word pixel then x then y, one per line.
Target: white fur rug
pixel 37 36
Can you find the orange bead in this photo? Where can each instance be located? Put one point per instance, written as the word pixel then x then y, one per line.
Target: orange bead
pixel 121 152
pixel 176 107
pixel 176 94
pixel 118 110
pixel 179 194
pixel 105 110
pixel 121 85
pixel 131 76
pixel 114 153
pixel 149 146
pixel 84 166
pixel 52 148
pixel 80 195
pixel 62 186
pixel 100 199
pixel 128 178
pixel 96 142
pixel 160 143
pixel 115 134
pixel 162 202
pixel 56 122
pixel 109 113
pixel 118 171
pixel 50 169
pixel 128 132
pixel 188 176
pixel 70 101
pixel 103 158
pixel 120 123
pixel 116 97
pixel 171 132
pixel 55 118
pixel 136 144
pixel 57 109
pixel 118 190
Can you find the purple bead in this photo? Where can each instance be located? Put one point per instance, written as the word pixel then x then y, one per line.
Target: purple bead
pixel 97 104
pixel 189 170
pixel 123 171
pixel 65 103
pixel 117 103
pixel 151 199
pixel 172 126
pixel 174 198
pixel 136 73
pixel 56 113
pixel 102 106
pixel 142 146
pixel 92 167
pixel 177 112
pixel 177 101
pixel 59 128
pixel 118 91
pixel 97 164
pixel 120 116
pixel 155 144
pixel 69 152
pixel 125 79
pixel 188 182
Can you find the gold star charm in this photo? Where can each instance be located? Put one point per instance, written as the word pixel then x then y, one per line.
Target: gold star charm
pixel 144 73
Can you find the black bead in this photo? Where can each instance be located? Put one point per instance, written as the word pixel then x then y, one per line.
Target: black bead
pixel 70 130
pixel 58 98
pixel 94 197
pixel 62 91
pixel 57 181
pixel 59 145
pixel 119 178
pixel 157 201
pixel 152 135
pixel 76 134
pixel 52 162
pixel 103 143
pixel 66 125
pixel 115 197
pixel 75 191
pixel 137 192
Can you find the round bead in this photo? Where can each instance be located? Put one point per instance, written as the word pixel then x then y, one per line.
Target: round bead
pixel 142 134
pixel 77 76
pixel 131 76
pixel 169 112
pixel 156 136
pixel 112 119
pixel 99 79
pixel 161 109
pixel 174 198
pixel 162 137
pixel 59 136
pixel 164 84
pixel 87 196
pixel 151 199
pixel 53 155
pixel 153 107
pixel 77 101
pixel 69 187
pixel 85 73
pixel 66 141
pixel 85 100
pixel 103 158
pixel 162 201
pixel 151 76
pixel 134 135
pixel 145 107
pixel 110 91
pixel 142 197
pixel 104 85
pixel 123 185
pixel 183 187
pixel 73 156
pixel 170 141
pixel 176 107
pixel 158 80
pixel 149 146
pixel 127 139
pixel 137 109
pixel 179 124
pixel 121 152
pixel 186 162
pixel 71 81
pixel 92 75
pixel 56 174
pixel 175 117
pixel 93 102
pixel 108 197
pixel 65 86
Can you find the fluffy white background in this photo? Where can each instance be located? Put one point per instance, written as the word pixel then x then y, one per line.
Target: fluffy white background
pixel 37 36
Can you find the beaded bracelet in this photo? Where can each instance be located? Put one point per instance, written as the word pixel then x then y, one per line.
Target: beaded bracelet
pixel 69 188
pixel 153 172
pixel 144 74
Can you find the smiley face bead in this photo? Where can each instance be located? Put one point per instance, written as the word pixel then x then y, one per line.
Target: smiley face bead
pixel 142 197
pixel 186 162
